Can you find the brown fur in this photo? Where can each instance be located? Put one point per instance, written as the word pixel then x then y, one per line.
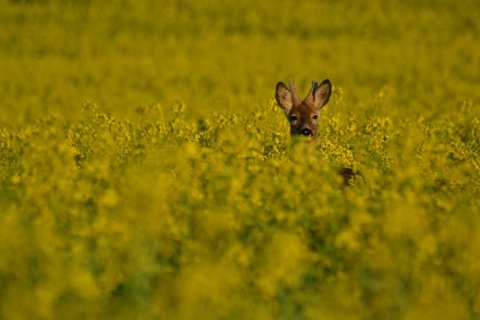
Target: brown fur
pixel 303 115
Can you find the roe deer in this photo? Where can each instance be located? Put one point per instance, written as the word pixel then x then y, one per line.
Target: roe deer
pixel 303 114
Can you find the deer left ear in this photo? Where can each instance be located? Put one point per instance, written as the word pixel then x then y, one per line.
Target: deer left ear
pixel 321 95
pixel 284 97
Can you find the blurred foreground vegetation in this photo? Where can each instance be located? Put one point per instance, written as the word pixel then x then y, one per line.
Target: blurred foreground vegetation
pixel 146 172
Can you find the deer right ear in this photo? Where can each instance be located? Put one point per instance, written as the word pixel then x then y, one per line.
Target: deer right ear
pixel 322 93
pixel 284 97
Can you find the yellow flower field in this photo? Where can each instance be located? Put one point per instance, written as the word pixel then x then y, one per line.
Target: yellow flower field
pixel 146 171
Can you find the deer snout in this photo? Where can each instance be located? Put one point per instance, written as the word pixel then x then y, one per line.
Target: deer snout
pixel 306 132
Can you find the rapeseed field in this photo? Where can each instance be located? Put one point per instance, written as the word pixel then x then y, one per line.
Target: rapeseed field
pixel 146 171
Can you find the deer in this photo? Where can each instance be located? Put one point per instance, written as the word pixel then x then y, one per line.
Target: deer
pixel 303 115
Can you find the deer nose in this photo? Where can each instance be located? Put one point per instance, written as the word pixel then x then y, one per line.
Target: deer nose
pixel 306 132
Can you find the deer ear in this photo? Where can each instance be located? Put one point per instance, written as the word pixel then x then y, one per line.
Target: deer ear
pixel 284 97
pixel 322 94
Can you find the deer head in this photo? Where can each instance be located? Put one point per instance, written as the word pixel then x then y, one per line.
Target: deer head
pixel 303 115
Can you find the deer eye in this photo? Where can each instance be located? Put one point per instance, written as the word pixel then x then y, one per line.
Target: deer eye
pixel 315 117
pixel 293 118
